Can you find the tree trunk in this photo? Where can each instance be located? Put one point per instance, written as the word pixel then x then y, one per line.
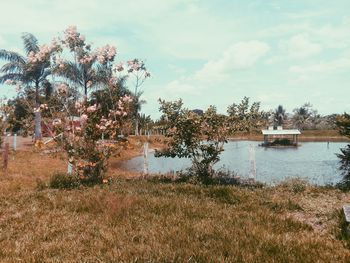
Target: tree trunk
pixel 38 135
pixel 136 126
pixel 37 129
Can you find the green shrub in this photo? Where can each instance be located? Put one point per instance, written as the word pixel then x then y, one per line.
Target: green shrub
pixel 63 181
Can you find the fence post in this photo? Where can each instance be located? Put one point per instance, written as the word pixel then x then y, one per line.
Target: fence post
pixel 6 156
pixel 145 158
pixel 15 142
pixel 69 168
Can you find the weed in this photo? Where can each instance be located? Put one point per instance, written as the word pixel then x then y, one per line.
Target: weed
pixel 63 181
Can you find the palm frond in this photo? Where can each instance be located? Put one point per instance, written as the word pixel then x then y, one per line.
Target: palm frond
pixel 11 56
pixel 45 74
pixel 13 76
pixel 12 67
pixel 71 73
pixel 30 43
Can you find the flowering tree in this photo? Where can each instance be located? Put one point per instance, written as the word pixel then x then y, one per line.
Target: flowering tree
pixel 89 68
pixel 198 137
pixel 95 69
pixel 81 137
pixel 138 71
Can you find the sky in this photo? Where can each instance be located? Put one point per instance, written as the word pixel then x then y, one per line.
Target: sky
pixel 208 52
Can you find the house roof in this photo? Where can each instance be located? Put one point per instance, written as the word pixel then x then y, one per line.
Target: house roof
pixel 280 132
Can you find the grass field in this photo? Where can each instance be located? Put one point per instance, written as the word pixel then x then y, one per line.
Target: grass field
pixel 134 220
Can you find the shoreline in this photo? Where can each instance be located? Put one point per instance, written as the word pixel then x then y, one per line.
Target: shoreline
pixel 301 139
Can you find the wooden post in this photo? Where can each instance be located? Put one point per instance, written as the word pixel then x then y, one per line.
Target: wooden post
pixel 252 173
pixel 6 156
pixel 145 158
pixel 69 168
pixel 15 142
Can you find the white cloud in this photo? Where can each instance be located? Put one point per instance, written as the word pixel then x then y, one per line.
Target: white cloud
pixel 322 67
pixel 239 56
pixel 218 72
pixel 300 46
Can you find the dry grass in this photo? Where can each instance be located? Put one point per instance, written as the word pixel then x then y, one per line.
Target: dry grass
pixel 143 221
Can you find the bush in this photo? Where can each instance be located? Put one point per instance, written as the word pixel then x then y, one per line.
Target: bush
pixel 63 181
pixel 282 142
pixel 345 167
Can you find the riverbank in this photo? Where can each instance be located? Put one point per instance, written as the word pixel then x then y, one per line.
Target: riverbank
pixel 306 136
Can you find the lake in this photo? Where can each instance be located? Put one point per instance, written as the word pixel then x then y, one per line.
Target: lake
pixel 315 162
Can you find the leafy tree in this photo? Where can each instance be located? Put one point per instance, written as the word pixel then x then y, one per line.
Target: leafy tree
pixel 304 116
pixel 343 124
pixel 198 137
pixel 246 117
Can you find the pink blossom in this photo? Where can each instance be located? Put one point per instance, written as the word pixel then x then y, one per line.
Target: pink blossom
pixel 9 82
pixel 127 98
pixel 91 108
pixel 112 80
pixel 89 83
pixel 119 67
pixel 83 118
pixel 77 105
pixel 105 54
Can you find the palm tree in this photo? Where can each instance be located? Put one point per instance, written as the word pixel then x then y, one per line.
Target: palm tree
pixel 145 123
pixel 19 69
pixel 83 76
pixel 302 115
pixel 279 116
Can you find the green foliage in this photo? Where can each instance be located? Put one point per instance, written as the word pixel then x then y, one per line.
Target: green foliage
pixel 305 117
pixel 282 142
pixel 198 137
pixel 343 124
pixel 63 181
pixel 246 117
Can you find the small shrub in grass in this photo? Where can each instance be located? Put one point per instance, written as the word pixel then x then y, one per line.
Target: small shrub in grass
pixel 295 185
pixel 40 185
pixel 63 181
pixel 343 232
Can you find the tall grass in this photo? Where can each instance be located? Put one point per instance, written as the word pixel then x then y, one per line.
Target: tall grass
pixel 149 221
